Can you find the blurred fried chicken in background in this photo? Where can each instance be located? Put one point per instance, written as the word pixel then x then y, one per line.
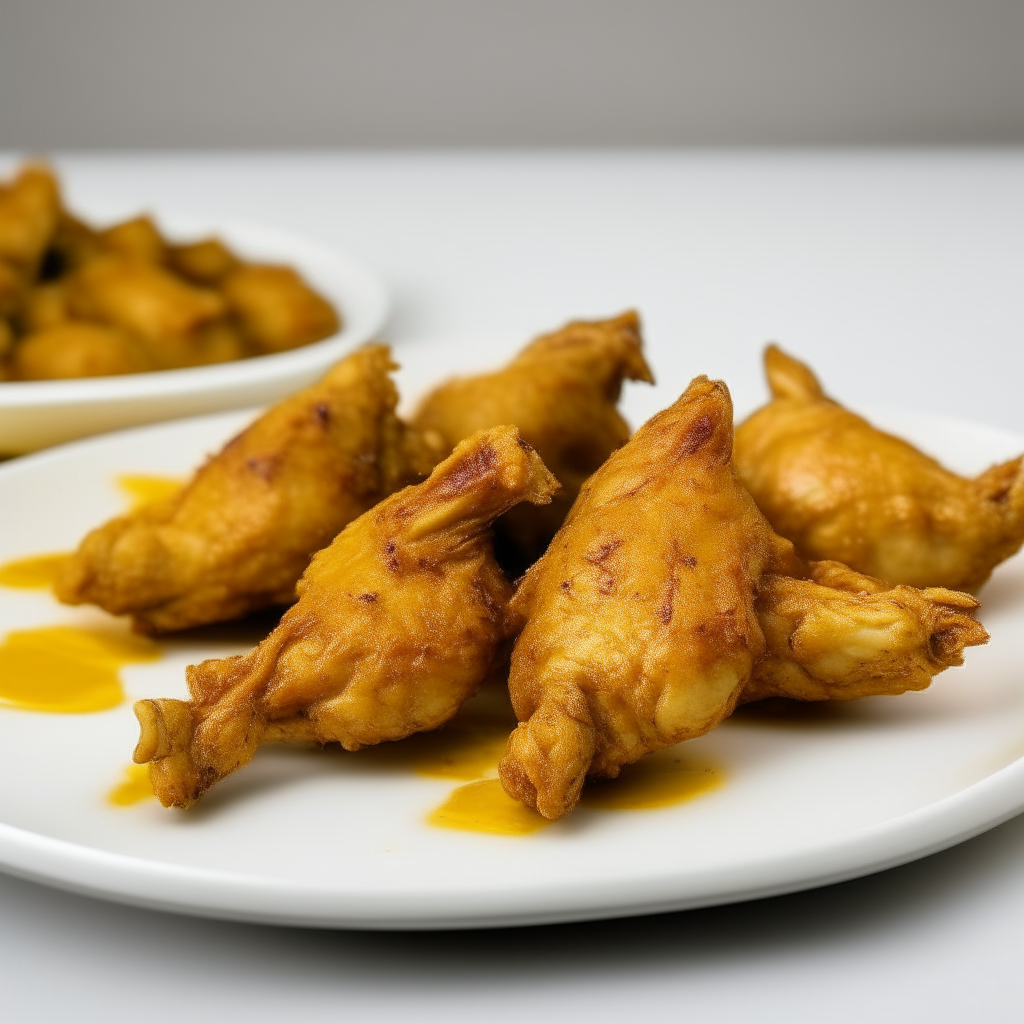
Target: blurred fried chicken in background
pixel 126 300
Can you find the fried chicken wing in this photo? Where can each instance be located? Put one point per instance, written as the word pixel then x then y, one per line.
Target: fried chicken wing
pixel 6 342
pixel 561 392
pixel 205 262
pixel 181 305
pixel 13 289
pixel 276 309
pixel 644 624
pixel 397 624
pixel 841 489
pixel 239 535
pixel 169 316
pixel 45 306
pixel 29 210
pixel 78 350
pixel 135 239
pixel 73 244
pixel 840 635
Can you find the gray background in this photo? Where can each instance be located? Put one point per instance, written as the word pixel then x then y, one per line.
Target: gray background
pixel 265 73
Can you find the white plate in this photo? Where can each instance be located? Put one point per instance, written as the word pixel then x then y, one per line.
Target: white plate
pixel 36 414
pixel 321 838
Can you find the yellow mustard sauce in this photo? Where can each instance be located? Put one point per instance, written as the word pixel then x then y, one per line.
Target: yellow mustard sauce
pixel 38 572
pixel 35 573
pixel 485 807
pixel 464 750
pixel 141 489
pixel 658 780
pixel 661 780
pixel 469 748
pixel 68 669
pixel 133 788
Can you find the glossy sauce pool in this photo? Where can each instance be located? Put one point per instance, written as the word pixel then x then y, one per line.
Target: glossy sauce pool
pixel 142 489
pixel 469 748
pixel 659 780
pixel 68 669
pixel 133 788
pixel 37 572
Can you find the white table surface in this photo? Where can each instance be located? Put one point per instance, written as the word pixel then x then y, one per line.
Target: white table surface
pixel 900 276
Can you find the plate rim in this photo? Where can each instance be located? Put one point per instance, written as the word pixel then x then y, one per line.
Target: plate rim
pixel 203 892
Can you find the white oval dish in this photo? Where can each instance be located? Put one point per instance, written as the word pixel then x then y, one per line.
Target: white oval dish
pixel 37 414
pixel 320 838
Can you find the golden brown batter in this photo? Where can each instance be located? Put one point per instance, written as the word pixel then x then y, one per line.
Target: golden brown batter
pixel 666 598
pixel 397 624
pixel 841 489
pixel 238 536
pixel 561 392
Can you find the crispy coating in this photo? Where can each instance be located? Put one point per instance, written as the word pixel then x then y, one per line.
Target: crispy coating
pixel 841 489
pixel 29 209
pixel 239 535
pixel 561 392
pixel 77 350
pixel 276 309
pixel 643 625
pixel 397 624
pixel 840 635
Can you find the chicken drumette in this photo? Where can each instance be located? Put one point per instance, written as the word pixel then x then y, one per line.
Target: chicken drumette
pixel 561 392
pixel 840 635
pixel 397 623
pixel 238 536
pixel 841 489
pixel 666 599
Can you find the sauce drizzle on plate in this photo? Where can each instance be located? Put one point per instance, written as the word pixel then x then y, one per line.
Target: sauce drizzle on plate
pixel 469 749
pixel 38 572
pixel 133 788
pixel 142 489
pixel 68 669
pixel 34 573
pixel 484 806
pixel 663 779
